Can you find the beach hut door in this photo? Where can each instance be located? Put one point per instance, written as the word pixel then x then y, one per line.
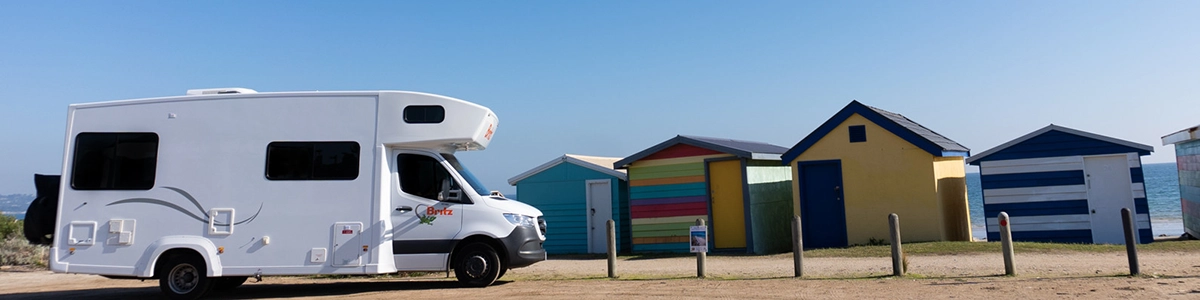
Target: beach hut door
pixel 822 205
pixel 728 206
pixel 1109 189
pixel 599 211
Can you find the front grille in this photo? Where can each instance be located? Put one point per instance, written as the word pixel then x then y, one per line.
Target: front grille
pixel 542 224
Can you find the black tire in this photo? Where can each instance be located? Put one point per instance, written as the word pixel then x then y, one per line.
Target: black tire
pixel 228 283
pixel 502 271
pixel 184 277
pixel 477 265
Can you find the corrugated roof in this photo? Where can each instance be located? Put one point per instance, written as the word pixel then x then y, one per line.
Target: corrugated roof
pixel 745 149
pixel 747 146
pixel 930 135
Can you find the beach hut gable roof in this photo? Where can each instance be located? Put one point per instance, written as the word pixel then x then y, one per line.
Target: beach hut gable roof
pixel 1125 146
pixel 596 163
pixel 744 149
pixel 1182 136
pixel 897 124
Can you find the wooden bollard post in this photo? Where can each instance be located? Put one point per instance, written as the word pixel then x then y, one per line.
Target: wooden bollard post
pixel 700 256
pixel 1006 244
pixel 797 247
pixel 612 249
pixel 1130 241
pixel 897 252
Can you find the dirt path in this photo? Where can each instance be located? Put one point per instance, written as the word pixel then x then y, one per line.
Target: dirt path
pixel 1079 275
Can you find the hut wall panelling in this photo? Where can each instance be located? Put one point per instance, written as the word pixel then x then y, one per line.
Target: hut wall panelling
pixel 560 193
pixel 667 193
pixel 1046 198
pixel 770 189
pixel 951 179
pixel 1187 157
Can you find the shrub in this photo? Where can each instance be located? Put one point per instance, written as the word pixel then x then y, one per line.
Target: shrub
pixel 9 225
pixel 15 249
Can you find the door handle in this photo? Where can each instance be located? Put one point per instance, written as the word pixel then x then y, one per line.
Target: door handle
pixel 404 209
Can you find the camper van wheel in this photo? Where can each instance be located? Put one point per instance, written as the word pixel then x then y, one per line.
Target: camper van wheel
pixel 502 271
pixel 477 265
pixel 184 277
pixel 228 283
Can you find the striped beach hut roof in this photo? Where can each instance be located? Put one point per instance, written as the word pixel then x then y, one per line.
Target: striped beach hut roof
pixel 897 124
pixel 1103 145
pixel 739 148
pixel 597 163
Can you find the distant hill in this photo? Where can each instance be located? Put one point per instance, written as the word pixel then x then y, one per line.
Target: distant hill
pixel 15 204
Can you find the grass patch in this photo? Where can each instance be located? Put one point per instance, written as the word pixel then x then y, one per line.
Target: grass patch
pixel 932 248
pixel 960 248
pixel 644 256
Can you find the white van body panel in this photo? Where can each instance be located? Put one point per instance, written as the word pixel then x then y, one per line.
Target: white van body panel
pixel 210 166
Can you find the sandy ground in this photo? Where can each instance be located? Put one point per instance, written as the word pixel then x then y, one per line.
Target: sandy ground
pixel 1077 275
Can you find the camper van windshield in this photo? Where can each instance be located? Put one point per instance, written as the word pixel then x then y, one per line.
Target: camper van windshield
pixel 466 174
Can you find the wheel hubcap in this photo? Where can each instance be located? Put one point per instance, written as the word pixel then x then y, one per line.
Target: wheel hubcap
pixel 184 278
pixel 476 266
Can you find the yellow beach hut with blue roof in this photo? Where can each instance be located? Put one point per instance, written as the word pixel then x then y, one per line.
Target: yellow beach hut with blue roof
pixel 865 163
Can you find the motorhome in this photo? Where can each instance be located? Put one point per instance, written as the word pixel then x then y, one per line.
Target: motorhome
pixel 204 190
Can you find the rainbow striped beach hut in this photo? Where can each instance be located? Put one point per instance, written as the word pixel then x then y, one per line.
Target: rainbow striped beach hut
pixel 739 187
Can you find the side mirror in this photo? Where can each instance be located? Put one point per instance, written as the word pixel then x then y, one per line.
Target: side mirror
pixel 448 194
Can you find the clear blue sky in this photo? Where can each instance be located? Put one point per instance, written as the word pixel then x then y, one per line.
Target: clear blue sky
pixel 611 78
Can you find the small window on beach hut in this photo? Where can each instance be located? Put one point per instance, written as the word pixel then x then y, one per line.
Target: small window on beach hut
pixel 858 133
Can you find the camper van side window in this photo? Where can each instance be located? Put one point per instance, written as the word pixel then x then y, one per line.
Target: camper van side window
pixel 422 175
pixel 312 160
pixel 114 161
pixel 424 114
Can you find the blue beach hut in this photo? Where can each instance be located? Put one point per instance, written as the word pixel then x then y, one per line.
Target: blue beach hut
pixel 1059 184
pixel 578 194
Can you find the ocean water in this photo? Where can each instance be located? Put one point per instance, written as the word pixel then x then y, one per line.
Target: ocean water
pixel 1162 193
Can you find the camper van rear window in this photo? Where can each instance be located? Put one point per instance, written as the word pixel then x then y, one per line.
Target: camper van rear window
pixel 114 161
pixel 312 160
pixel 424 114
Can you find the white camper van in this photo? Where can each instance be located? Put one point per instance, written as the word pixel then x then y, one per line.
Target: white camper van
pixel 204 190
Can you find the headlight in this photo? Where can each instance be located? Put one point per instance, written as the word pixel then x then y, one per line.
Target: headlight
pixel 520 220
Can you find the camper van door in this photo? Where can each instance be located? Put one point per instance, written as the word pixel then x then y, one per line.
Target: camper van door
pixel 425 217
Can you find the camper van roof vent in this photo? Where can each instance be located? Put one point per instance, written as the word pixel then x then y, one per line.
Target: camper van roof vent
pixel 218 91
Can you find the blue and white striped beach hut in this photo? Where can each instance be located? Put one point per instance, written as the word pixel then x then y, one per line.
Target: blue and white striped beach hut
pixel 1059 184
